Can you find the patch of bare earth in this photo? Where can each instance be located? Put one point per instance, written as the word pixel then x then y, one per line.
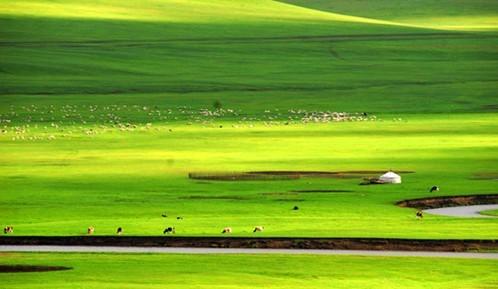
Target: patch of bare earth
pixel 485 176
pixel 449 201
pixel 30 268
pixel 239 177
pixel 286 175
pixel 321 191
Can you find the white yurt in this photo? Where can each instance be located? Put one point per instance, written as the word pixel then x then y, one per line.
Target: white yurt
pixel 390 178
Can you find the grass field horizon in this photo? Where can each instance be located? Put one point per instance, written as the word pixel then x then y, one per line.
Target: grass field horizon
pixel 117 120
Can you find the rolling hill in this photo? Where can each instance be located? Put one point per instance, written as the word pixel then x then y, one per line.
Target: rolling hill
pixel 248 54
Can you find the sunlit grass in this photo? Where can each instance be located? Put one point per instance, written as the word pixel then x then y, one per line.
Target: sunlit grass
pixel 177 11
pixel 248 271
pixel 114 178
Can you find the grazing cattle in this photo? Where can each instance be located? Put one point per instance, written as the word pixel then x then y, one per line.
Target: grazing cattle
pixel 420 214
pixel 258 229
pixel 295 208
pixel 119 231
pixel 169 230
pixel 8 230
pixel 90 230
pixel 227 230
pixel 179 218
pixel 164 215
pixel 434 189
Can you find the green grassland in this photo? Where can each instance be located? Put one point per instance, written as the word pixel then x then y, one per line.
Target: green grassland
pixel 252 271
pixel 305 60
pixel 490 212
pixel 115 178
pixel 443 14
pixel 106 106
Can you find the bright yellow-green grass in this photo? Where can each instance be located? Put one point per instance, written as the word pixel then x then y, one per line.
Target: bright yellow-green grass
pixel 248 271
pixel 106 106
pixel 174 11
pixel 442 14
pixel 112 178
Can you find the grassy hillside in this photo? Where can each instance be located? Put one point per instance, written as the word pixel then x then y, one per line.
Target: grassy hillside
pixel 152 19
pixel 261 55
pixel 256 271
pixel 106 106
pixel 177 11
pixel 443 14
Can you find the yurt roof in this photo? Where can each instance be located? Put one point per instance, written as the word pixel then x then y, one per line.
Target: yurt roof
pixel 390 175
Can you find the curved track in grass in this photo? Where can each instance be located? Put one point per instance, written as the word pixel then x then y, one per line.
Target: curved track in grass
pixel 463 206
pixel 175 250
pixel 463 211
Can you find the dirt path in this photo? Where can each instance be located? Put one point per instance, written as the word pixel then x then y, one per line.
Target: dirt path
pixel 171 250
pixel 463 211
pixel 378 244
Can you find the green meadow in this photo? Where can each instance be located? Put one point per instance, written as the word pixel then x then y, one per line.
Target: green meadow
pixel 107 106
pixel 444 14
pixel 248 271
pixel 491 212
pixel 129 179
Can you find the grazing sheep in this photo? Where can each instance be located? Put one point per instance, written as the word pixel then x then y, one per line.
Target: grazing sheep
pixel 90 230
pixel 420 214
pixel 169 230
pixel 258 229
pixel 227 230
pixel 434 189
pixel 8 230
pixel 119 231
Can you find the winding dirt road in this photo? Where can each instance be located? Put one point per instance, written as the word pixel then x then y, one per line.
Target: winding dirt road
pixel 173 250
pixel 463 211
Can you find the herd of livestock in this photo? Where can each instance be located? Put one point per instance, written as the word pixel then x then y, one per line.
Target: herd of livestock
pixel 49 122
pixel 119 230
pixel 227 230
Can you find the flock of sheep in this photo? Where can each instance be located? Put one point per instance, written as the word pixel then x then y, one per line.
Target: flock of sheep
pixel 51 122
pixel 170 230
pixel 119 230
